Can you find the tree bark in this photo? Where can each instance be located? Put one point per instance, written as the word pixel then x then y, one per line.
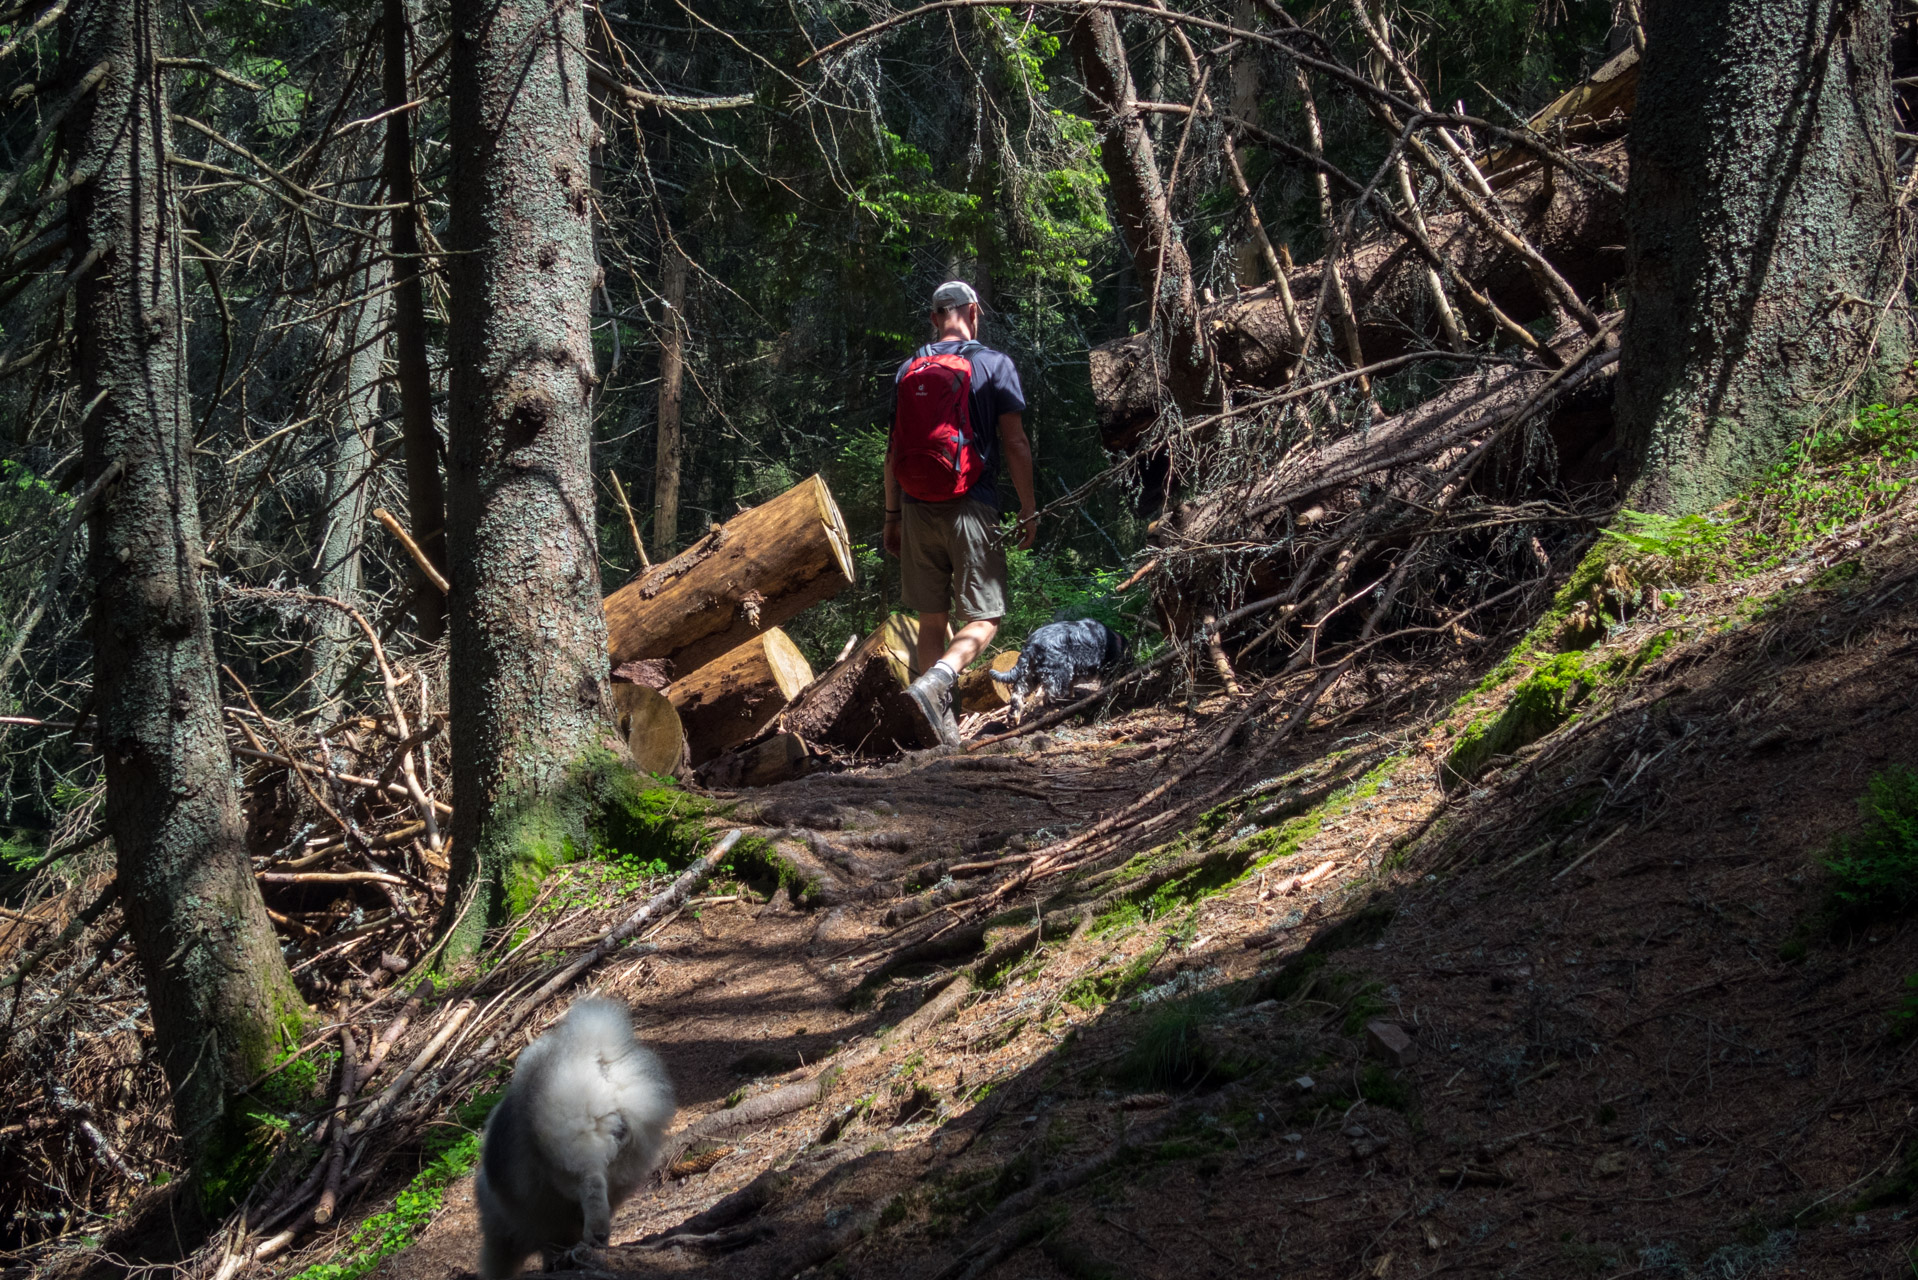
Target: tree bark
pixel 860 704
pixel 1176 343
pixel 758 570
pixel 737 694
pixel 336 561
pixel 425 496
pixel 223 1003
pixel 672 337
pixel 530 708
pixel 1761 239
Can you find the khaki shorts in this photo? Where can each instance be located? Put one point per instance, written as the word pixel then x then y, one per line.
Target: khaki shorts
pixel 952 560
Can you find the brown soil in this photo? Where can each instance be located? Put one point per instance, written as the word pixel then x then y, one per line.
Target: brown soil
pixel 1612 1069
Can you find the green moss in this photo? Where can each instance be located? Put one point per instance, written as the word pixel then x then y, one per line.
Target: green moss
pixel 255 1130
pixel 1115 981
pixel 644 824
pixel 1540 703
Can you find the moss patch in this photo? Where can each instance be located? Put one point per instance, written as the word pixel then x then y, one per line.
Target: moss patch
pixel 1541 703
pixel 1114 981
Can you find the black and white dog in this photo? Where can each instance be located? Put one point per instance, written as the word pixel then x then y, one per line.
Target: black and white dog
pixel 1060 654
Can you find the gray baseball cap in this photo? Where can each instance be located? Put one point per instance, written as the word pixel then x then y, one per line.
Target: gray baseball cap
pixel 953 293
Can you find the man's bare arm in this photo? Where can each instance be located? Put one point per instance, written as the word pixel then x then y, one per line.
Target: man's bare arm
pixel 1012 437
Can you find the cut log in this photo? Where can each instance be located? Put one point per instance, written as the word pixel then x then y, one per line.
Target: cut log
pixel 756 571
pixel 860 705
pixel 775 758
pixel 651 727
pixel 978 691
pixel 730 699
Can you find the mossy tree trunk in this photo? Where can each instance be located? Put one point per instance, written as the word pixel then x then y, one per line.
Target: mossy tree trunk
pixel 1760 237
pixel 527 633
pixel 222 1001
pixel 1145 219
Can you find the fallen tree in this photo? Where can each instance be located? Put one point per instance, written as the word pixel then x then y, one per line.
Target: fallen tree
pixel 736 695
pixel 758 570
pixel 1579 228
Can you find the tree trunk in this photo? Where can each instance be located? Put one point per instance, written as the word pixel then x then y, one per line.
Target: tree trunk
pixel 1249 257
pixel 223 1004
pixel 860 704
pixel 1176 342
pixel 1761 239
pixel 336 562
pixel 737 694
pixel 758 570
pixel 651 726
pixel 672 337
pixel 425 497
pixel 530 709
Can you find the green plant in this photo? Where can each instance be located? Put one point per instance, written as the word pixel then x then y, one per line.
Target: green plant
pixel 384 1234
pixel 1875 869
pixel 1171 1051
pixel 1108 984
pixel 1675 549
pixel 1904 1019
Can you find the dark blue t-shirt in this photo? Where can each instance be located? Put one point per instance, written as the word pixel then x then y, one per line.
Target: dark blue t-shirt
pixel 995 390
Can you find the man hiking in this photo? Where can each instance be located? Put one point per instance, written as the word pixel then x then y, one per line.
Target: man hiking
pixel 957 407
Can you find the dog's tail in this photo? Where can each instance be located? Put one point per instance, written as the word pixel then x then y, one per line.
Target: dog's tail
pixel 595 1085
pixel 1013 676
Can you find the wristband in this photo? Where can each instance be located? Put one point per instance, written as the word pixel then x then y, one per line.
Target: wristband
pixel 893 511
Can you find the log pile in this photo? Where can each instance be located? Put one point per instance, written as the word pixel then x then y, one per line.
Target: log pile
pixel 859 706
pixel 758 570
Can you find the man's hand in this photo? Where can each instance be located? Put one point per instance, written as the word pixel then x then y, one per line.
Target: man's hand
pixel 1028 527
pixel 890 538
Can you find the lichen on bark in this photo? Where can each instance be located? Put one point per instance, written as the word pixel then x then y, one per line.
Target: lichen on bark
pixel 1760 239
pixel 221 998
pixel 527 636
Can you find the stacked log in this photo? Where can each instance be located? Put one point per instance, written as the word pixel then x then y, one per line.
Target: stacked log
pixel 860 705
pixel 758 570
pixel 648 721
pixel 978 691
pixel 733 698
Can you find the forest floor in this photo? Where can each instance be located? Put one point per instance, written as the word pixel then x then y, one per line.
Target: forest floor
pixel 1634 1042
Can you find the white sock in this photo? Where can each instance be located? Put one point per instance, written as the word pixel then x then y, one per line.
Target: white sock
pixel 951 670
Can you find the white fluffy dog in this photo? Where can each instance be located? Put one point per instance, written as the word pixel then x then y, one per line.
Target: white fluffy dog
pixel 578 1129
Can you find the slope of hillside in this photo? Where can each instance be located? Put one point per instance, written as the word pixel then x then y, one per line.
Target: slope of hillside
pixel 1551 978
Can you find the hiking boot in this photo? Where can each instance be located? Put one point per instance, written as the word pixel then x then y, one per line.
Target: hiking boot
pixel 932 694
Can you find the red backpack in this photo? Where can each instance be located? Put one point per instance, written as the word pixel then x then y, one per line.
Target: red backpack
pixel 935 456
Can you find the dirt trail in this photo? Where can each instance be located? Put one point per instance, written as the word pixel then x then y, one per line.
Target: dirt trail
pixel 1628 1055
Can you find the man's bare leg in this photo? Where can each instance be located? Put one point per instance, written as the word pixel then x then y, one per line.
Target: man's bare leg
pixel 967 645
pixel 943 662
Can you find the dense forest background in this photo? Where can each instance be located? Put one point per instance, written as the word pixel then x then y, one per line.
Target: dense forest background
pixel 405 404
pixel 816 213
